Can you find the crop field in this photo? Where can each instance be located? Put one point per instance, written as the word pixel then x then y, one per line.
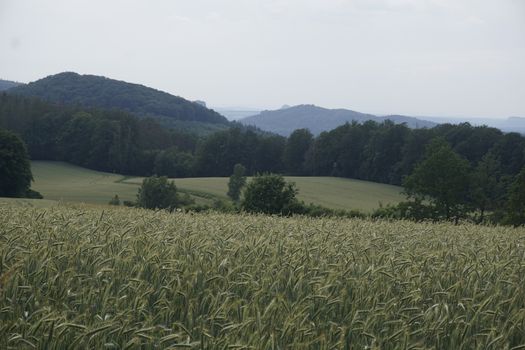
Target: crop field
pixel 25 202
pixel 83 277
pixel 62 181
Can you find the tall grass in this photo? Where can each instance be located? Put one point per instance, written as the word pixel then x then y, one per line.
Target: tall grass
pixel 130 279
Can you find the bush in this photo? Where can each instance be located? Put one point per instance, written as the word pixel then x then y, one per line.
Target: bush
pixel 33 194
pixel 115 200
pixel 158 193
pixel 270 194
pixel 315 210
pixel 414 210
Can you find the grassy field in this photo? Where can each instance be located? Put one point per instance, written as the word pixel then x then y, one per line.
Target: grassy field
pixel 66 182
pixel 118 278
pixel 61 181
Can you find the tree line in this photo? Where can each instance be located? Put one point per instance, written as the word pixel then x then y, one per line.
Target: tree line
pixel 115 141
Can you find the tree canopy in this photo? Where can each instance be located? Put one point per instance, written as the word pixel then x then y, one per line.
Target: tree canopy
pixel 236 182
pixel 158 193
pixel 442 178
pixel 294 154
pixel 269 194
pixel 516 202
pixel 101 92
pixel 15 168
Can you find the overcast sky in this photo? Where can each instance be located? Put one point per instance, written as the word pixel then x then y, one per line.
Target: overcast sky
pixel 416 57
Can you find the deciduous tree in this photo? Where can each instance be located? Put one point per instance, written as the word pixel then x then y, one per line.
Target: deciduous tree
pixel 158 193
pixel 236 182
pixel 270 194
pixel 15 168
pixel 442 178
pixel 516 203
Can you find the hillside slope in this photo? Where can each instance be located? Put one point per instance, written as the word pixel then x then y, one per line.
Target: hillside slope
pixel 317 119
pixel 63 181
pixel 7 84
pixel 105 93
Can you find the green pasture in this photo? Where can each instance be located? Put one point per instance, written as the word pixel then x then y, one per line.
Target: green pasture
pixel 70 183
pixel 66 182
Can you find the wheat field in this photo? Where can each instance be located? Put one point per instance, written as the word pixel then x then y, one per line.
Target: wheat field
pixel 82 277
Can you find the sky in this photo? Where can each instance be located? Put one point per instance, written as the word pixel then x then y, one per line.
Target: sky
pixel 413 57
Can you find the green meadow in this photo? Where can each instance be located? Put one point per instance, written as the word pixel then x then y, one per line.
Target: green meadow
pixel 69 183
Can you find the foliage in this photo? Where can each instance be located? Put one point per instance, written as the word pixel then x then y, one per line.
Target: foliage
pixel 15 168
pixel 110 141
pixel 414 210
pixel 442 178
pixel 159 193
pixel 236 182
pixel 173 163
pixel 100 92
pixel 315 210
pixel 294 154
pixel 115 200
pixel 217 154
pixel 115 141
pixel 84 278
pixel 270 194
pixel 516 203
pixel 487 187
pixel 130 204
pixel 32 194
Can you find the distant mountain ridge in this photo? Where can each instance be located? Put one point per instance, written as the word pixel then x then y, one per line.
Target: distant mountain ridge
pixel 105 93
pixel 7 84
pixel 317 119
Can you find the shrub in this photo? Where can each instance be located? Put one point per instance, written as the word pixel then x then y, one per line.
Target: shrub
pixel 115 200
pixel 158 193
pixel 270 194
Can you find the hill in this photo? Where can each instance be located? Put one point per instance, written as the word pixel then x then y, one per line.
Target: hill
pixel 63 181
pixel 7 84
pixel 104 93
pixel 317 119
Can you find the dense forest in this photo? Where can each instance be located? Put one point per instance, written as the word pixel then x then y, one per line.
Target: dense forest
pixel 103 93
pixel 112 141
pixel 119 142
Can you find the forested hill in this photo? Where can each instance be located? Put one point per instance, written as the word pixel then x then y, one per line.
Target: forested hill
pixel 100 92
pixel 317 119
pixel 7 84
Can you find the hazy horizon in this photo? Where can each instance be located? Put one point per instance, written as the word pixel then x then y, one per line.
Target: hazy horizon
pixel 435 58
